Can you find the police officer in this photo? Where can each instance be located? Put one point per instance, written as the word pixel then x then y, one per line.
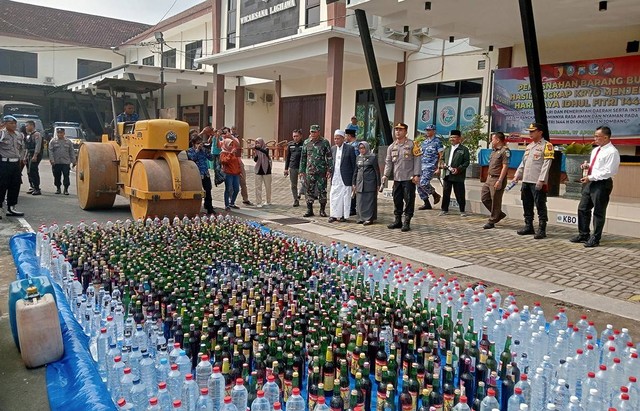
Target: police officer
pixel 316 167
pixel 33 144
pixel 404 167
pixel 534 173
pixel 11 156
pixel 430 152
pixel 61 155
pixel 493 188
pixel 292 166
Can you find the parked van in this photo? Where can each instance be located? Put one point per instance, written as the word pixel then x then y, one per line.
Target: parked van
pixel 23 111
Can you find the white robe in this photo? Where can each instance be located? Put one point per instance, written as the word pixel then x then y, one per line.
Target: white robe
pixel 340 194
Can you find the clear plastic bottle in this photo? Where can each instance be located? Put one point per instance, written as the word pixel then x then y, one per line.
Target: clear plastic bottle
pixel 148 374
pixel 489 402
pixel 261 403
pixel 321 405
pixel 538 390
pixel 126 383
pixel 271 390
pixel 594 401
pixel 174 382
pixel 115 373
pixel 525 386
pixel 228 405
pixel 216 388
pixel 189 393
pixel 153 404
pixel 134 361
pixel 560 395
pixel 175 353
pixel 574 404
pixel 140 339
pixel 634 392
pixel 294 403
pixel 138 394
pixel 184 364
pixel 102 346
pixel 461 406
pixel 123 405
pixel 603 377
pixel 515 400
pixel 240 395
pixel 203 372
pixel 162 370
pixel 624 404
pixel 204 403
pixel 164 398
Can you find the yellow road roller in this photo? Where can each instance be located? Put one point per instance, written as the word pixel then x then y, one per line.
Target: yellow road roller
pixel 139 160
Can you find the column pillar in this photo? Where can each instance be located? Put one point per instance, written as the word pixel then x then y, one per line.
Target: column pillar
pixel 239 112
pixel 336 13
pixel 217 99
pixel 277 95
pixel 333 100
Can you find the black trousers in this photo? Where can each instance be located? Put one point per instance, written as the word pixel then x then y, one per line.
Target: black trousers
pixel 61 170
pixel 206 186
pixel 595 196
pixel 530 196
pixel 32 171
pixel 10 180
pixel 404 198
pixel 458 190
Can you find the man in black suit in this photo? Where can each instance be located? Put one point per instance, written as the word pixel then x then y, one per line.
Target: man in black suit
pixel 344 159
pixel 455 161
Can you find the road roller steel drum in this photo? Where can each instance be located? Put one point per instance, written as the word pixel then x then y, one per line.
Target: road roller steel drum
pixel 38 329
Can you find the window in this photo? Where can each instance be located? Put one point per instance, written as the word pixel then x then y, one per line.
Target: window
pixel 89 67
pixel 148 61
pixel 192 51
pixel 18 63
pixel 312 13
pixel 169 58
pixel 231 25
pixel 449 105
pixel 367 115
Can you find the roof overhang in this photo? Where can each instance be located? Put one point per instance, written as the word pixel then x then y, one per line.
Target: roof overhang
pixel 498 22
pixel 135 72
pixel 303 55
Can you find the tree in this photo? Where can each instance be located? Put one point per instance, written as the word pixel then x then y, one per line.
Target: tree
pixel 474 134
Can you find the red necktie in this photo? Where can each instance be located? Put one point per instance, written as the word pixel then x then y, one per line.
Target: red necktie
pixel 593 161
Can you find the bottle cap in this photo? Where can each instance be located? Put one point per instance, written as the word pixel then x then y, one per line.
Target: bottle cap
pixel 153 401
pixel 162 385
pixel 239 381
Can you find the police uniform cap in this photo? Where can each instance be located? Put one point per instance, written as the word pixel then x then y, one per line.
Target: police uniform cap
pixel 402 126
pixel 9 118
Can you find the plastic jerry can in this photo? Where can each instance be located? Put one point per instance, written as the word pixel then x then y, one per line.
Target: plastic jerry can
pixel 38 329
pixel 18 291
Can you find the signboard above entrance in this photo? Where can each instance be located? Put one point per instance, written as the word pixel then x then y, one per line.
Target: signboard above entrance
pixel 580 96
pixel 264 20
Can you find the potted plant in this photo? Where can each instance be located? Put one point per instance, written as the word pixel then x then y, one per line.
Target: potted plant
pixel 575 156
pixel 474 134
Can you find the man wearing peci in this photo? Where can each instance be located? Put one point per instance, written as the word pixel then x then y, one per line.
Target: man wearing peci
pixel 455 160
pixel 344 166
pixel 597 185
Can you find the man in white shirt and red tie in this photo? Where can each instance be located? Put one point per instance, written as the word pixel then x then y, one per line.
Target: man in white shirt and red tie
pixel 596 188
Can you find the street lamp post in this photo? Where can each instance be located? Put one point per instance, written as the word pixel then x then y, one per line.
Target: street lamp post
pixel 160 39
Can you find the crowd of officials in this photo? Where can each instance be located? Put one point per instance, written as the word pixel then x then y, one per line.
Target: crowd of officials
pixel 349 171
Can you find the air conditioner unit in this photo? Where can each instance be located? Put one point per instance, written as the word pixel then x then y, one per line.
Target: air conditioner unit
pixel 269 98
pixel 393 34
pixel 48 80
pixel 421 32
pixel 251 96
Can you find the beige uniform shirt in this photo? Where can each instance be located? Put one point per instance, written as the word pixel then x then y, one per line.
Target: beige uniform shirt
pixel 536 162
pixel 401 164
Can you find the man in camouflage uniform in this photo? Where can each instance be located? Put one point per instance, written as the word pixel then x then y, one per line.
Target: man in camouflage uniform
pixel 534 173
pixel 430 151
pixel 316 167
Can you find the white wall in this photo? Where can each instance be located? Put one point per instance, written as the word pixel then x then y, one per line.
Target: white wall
pixel 260 118
pixel 56 60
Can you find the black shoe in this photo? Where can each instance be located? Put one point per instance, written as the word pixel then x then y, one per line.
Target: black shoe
pixel 58 191
pixel 526 230
pixel 436 198
pixel 36 193
pixel 579 239
pixel 211 211
pixel 502 217
pixel 227 209
pixel 342 220
pixel 368 222
pixel 592 242
pixel 66 192
pixel 11 211
pixel 488 226
pixel 322 213
pixel 406 226
pixel 332 220
pixel 359 222
pixel 426 206
pixel 397 223
pixel 30 191
pixel 296 203
pixel 309 212
pixel 235 207
pixel 249 203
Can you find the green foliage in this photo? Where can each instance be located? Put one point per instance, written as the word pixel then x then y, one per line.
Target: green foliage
pixel 474 134
pixel 577 148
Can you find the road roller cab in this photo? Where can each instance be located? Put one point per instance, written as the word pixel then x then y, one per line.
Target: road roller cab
pixel 139 160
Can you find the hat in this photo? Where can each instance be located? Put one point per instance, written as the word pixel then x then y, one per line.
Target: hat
pixel 59 129
pixel 338 133
pixel 350 132
pixel 9 118
pixel 402 126
pixel 314 127
pixel 455 133
pixel 430 127
pixel 535 126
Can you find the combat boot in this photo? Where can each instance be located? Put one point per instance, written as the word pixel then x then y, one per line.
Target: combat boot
pixel 527 229
pixel 309 212
pixel 322 212
pixel 406 225
pixel 426 206
pixel 397 223
pixel 542 231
